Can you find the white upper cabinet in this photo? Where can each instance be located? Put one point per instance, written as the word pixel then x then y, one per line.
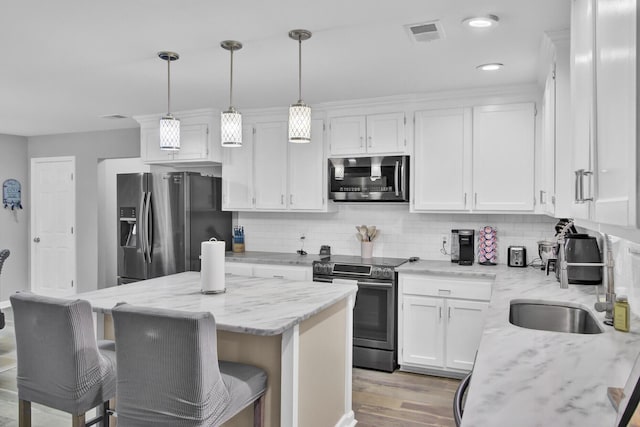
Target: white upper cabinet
pixel 199 139
pixel 474 159
pixel 237 173
pixel 308 172
pixel 270 165
pixel 372 134
pixel 503 157
pixel 268 173
pixel 547 189
pixel 604 97
pixel 442 159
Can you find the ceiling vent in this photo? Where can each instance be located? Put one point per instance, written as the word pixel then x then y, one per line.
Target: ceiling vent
pixel 114 116
pixel 425 31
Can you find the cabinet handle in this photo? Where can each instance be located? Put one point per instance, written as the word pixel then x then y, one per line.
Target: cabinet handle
pixel 465 200
pixel 278 276
pixel 542 197
pixel 440 312
pixel 475 200
pixel 586 173
pixel 449 313
pixel 290 199
pixel 282 199
pixel 370 142
pixel 361 142
pixel 577 197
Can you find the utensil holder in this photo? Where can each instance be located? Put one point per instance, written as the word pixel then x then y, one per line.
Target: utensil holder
pixel 237 248
pixel 366 249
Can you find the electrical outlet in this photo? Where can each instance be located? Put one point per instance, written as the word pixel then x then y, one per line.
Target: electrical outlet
pixel 445 240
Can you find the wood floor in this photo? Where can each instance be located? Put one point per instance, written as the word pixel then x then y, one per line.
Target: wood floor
pixel 380 399
pixel 402 399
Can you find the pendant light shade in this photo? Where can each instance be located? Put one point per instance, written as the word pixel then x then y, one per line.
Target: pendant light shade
pixel 231 120
pixel 169 125
pixel 300 113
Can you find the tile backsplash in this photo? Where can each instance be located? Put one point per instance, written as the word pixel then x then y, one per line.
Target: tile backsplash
pixel 402 234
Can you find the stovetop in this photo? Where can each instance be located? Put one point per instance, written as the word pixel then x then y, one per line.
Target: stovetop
pixel 356 260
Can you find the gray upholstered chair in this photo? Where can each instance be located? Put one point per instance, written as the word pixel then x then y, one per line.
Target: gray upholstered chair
pixel 169 374
pixel 60 363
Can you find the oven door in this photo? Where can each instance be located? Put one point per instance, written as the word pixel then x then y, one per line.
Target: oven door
pixel 374 315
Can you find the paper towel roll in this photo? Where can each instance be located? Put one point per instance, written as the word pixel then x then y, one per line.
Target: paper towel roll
pixel 212 267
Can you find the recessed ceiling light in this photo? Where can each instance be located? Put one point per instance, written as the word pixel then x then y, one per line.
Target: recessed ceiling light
pixel 481 21
pixel 494 66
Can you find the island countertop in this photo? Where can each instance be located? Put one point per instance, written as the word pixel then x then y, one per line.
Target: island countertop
pixel 251 305
pixel 525 377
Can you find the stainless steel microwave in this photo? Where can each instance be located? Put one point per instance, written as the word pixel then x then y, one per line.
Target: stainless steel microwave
pixel 369 179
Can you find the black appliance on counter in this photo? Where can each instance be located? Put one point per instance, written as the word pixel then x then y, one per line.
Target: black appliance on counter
pixel 162 220
pixel 369 179
pixel 375 315
pixel 582 248
pixel 466 253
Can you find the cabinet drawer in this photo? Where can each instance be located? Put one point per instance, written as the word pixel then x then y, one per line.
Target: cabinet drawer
pixel 438 286
pixel 282 272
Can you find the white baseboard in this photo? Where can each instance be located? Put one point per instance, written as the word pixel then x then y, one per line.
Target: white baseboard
pixel 347 420
pixel 5 304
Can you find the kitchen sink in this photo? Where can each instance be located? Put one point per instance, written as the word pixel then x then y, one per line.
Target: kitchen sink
pixel 553 316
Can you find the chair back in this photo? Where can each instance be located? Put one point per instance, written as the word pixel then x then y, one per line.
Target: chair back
pixel 168 372
pixel 4 254
pixel 59 364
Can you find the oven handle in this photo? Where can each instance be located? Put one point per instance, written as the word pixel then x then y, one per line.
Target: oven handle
pixel 376 284
pixel 323 279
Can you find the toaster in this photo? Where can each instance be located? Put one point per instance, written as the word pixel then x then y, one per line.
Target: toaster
pixel 517 256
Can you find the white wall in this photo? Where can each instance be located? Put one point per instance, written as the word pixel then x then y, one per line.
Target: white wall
pixel 403 234
pixel 88 148
pixel 14 224
pixel 108 170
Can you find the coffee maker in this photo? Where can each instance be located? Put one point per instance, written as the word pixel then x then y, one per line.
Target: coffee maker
pixel 465 247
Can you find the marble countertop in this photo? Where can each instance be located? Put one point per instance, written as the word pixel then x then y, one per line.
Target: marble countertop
pixel 525 377
pixel 281 258
pixel 252 305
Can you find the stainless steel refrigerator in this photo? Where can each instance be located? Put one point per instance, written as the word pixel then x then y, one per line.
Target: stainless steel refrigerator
pixel 163 218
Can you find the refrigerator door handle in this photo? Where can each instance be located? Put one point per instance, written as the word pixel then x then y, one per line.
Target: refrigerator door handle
pixel 148 222
pixel 142 227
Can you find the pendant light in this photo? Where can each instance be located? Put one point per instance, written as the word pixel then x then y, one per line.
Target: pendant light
pixel 169 125
pixel 300 113
pixel 231 120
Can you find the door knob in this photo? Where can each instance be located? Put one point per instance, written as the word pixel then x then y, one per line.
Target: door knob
pixel 36 239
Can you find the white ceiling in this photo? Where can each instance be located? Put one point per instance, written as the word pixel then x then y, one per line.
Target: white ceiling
pixel 68 62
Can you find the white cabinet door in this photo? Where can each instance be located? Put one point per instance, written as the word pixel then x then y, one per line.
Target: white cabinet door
pixel 237 173
pixel 546 194
pixel 347 135
pixel 307 172
pixel 385 133
pixel 194 142
pixel 442 159
pixel 503 157
pixel 270 165
pixel 422 331
pixel 238 268
pixel 465 322
pixel 615 70
pixel 582 106
pixel 150 145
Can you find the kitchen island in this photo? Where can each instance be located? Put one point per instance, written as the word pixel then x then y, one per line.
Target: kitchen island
pixel 525 377
pixel 299 332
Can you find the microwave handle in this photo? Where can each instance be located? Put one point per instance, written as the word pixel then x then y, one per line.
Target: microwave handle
pixel 397 178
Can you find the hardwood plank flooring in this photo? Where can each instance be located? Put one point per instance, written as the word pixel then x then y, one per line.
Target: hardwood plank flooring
pixel 402 399
pixel 380 399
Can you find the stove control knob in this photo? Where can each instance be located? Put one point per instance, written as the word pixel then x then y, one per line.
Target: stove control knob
pixel 387 273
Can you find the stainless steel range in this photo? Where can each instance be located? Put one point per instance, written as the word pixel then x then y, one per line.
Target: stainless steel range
pixel 375 314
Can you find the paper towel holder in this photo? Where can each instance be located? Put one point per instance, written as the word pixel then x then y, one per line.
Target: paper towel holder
pixel 216 291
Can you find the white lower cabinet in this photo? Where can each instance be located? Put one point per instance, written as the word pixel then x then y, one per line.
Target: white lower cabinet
pixel 288 272
pixel 440 322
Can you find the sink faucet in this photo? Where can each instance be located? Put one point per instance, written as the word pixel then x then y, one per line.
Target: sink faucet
pixel 610 294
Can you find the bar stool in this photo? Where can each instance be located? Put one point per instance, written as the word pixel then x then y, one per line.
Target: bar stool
pixel 60 363
pixel 4 254
pixel 169 374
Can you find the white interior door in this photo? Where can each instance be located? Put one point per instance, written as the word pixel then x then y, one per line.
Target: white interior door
pixel 53 222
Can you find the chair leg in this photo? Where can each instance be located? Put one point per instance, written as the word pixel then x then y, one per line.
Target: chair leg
pixel 258 412
pixel 24 413
pixel 78 420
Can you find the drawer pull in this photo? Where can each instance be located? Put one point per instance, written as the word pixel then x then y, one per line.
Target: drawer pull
pixel 444 291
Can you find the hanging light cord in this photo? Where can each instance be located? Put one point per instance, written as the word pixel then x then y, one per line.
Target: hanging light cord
pixel 231 81
pixel 300 69
pixel 169 86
